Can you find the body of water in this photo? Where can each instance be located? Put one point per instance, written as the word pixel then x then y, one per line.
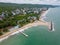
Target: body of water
pixel 39 35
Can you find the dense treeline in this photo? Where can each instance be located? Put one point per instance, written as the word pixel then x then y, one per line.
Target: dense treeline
pixel 26 5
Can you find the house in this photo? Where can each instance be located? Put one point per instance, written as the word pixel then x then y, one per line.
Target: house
pixel 24 12
pixel 36 11
pixel 6 13
pixel 34 18
pixel 31 19
pixel 17 11
pixel 3 14
pixel 13 12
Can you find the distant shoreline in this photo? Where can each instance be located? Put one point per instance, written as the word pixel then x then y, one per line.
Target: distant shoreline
pixel 36 23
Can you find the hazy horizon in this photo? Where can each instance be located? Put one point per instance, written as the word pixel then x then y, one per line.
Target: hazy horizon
pixel 51 2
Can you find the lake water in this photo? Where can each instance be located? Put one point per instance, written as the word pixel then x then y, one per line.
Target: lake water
pixel 39 35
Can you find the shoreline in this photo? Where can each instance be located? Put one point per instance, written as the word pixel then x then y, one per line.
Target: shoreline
pixel 36 23
pixel 43 15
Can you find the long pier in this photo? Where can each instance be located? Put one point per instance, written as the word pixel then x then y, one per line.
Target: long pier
pixel 24 34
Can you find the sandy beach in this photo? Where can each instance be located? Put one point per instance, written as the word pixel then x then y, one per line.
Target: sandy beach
pixel 36 23
pixel 43 15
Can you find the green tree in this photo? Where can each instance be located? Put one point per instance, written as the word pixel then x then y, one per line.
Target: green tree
pixel 5 30
pixel 1 33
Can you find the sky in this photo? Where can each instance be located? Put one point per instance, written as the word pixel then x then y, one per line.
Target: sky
pixel 52 2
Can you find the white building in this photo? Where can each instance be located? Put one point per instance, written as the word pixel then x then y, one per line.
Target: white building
pixel 13 13
pixel 36 11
